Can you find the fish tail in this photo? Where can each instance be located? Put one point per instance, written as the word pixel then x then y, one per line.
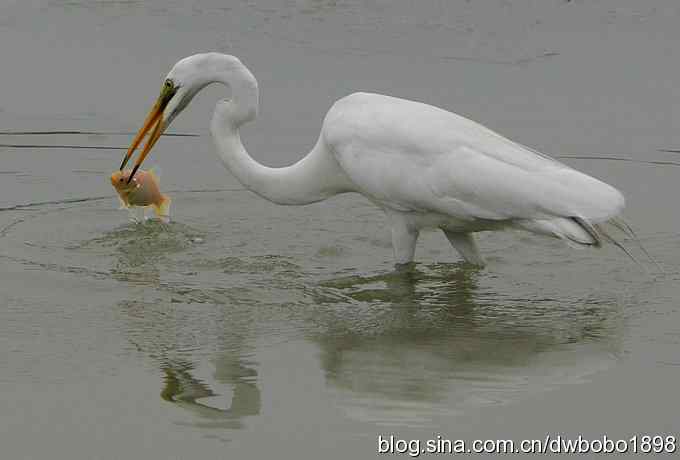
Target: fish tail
pixel 163 208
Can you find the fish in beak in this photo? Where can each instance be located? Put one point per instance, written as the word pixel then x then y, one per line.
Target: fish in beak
pixel 144 191
pixel 154 124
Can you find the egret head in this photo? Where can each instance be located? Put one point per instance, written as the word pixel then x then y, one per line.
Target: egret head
pixel 156 122
pixel 186 78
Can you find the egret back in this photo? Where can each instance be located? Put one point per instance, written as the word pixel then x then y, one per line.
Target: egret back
pixel 414 157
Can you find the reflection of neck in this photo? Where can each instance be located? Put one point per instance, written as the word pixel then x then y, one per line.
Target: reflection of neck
pixel 315 177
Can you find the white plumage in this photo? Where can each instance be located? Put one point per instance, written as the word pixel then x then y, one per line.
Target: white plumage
pixel 424 166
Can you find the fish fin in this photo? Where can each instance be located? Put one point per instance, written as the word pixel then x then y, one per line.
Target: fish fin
pixel 163 208
pixel 123 204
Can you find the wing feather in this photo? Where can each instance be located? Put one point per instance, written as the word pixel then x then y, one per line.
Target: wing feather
pixel 416 157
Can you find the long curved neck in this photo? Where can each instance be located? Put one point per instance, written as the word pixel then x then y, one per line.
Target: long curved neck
pixel 315 177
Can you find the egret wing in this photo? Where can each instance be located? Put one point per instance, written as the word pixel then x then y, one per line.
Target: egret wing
pixel 416 157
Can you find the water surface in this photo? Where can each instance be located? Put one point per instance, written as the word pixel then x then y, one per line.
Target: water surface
pixel 243 329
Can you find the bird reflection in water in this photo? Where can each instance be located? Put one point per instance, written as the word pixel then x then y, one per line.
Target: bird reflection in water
pixel 219 388
pixel 431 341
pixel 189 392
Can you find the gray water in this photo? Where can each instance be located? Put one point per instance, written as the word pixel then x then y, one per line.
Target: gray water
pixel 247 330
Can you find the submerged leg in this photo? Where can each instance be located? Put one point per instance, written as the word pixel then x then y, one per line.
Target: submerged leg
pixel 404 239
pixel 465 244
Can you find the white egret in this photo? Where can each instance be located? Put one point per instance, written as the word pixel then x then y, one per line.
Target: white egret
pixel 422 165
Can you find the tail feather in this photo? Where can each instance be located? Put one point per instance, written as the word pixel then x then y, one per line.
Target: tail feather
pixel 626 229
pixel 619 245
pixel 579 231
pixel 575 231
pixel 590 230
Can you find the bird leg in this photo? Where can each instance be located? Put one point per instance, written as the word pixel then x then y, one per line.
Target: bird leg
pixel 404 237
pixel 465 244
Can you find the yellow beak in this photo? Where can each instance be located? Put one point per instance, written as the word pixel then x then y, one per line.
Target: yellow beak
pixel 154 122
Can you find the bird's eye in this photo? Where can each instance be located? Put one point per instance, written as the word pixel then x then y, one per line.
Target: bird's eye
pixel 168 84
